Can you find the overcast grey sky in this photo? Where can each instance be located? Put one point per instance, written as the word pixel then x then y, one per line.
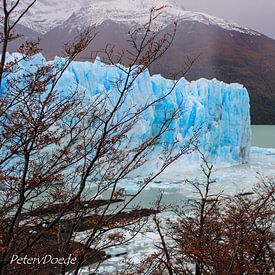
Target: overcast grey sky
pixel 255 14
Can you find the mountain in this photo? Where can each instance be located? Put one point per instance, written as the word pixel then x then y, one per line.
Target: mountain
pixel 48 14
pixel 228 52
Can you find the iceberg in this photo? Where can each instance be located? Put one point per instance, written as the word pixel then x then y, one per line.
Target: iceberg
pixel 220 111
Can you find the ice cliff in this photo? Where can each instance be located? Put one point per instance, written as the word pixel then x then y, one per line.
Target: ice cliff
pixel 220 110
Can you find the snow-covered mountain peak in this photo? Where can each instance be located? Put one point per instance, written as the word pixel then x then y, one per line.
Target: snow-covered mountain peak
pixel 48 14
pixel 45 15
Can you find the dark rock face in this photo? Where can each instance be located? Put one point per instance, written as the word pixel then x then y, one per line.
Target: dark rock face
pixel 229 56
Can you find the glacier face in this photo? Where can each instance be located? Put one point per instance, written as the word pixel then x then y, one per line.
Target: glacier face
pixel 221 111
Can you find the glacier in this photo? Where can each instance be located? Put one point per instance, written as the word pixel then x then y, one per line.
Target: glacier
pixel 221 111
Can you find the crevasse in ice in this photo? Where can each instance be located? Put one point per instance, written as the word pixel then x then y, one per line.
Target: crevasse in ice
pixel 221 111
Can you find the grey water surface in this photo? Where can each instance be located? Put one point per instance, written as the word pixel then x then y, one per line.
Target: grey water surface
pixel 263 136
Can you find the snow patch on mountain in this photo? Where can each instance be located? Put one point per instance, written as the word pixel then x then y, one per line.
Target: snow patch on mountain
pixel 45 15
pixel 48 14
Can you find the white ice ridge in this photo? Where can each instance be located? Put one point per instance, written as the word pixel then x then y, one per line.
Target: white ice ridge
pixel 221 110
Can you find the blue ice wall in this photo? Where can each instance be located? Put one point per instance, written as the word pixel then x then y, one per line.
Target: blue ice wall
pixel 221 111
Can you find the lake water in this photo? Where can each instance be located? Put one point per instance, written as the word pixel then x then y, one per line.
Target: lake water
pixel 262 162
pixel 263 136
pixel 233 179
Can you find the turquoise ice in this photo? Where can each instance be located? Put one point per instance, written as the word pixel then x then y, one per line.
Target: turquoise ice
pixel 221 111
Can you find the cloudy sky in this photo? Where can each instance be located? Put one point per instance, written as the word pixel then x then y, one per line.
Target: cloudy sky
pixel 255 14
